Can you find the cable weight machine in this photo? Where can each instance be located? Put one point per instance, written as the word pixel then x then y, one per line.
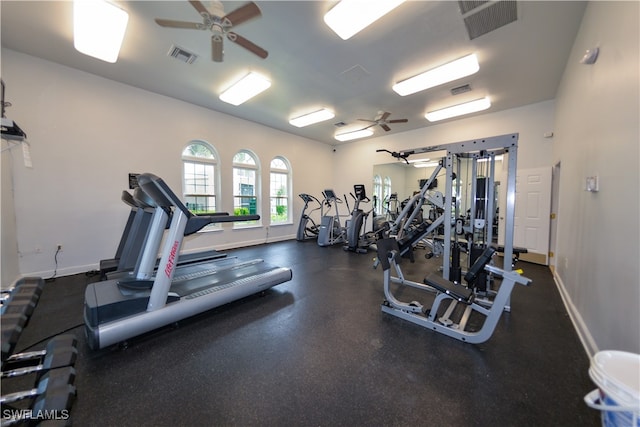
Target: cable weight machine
pixel 471 164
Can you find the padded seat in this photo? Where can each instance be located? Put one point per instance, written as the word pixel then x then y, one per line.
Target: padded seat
pixel 457 292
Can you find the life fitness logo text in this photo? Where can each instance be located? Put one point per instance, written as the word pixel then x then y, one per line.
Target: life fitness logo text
pixel 172 259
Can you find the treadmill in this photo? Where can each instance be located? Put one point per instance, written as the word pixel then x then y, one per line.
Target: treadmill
pixel 116 310
pixel 132 238
pixel 140 232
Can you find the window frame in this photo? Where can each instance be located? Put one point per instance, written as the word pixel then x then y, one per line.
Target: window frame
pixel 205 161
pixel 377 192
pixel 255 167
pixel 288 196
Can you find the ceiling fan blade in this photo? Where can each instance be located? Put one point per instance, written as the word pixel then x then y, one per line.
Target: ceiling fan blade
pixel 398 121
pixel 250 46
pixel 243 14
pixel 199 7
pixel 216 48
pixel 384 116
pixel 367 120
pixel 385 127
pixel 370 126
pixel 178 24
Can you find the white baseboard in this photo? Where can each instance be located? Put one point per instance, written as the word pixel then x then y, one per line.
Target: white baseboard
pixel 255 242
pixel 68 271
pixel 585 336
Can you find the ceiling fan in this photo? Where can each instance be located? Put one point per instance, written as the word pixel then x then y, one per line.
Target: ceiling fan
pixel 381 120
pixel 220 25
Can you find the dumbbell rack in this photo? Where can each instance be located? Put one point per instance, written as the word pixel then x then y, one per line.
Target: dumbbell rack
pixel 49 374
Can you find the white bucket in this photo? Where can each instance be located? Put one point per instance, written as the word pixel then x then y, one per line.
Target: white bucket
pixel 617 375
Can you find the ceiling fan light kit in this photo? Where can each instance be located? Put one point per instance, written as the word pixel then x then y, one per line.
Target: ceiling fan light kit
pixel 448 72
pixel 349 17
pixel 311 118
pixel 98 29
pixel 459 110
pixel 246 88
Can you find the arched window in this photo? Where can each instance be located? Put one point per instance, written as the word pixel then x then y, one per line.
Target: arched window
pixel 199 177
pixel 280 195
pixel 386 190
pixel 245 186
pixel 377 192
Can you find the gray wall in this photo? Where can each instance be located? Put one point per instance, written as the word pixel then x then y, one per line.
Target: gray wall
pixel 597 134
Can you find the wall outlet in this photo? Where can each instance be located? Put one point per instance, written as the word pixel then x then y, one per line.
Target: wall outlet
pixel 60 247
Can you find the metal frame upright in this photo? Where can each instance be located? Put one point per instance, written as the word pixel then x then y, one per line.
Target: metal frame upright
pixel 475 149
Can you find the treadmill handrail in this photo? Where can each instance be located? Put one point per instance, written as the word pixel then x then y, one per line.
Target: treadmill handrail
pixel 159 191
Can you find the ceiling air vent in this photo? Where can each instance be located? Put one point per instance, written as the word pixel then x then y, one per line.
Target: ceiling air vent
pixel 461 89
pixel 339 124
pixel 467 5
pixel 490 18
pixel 182 55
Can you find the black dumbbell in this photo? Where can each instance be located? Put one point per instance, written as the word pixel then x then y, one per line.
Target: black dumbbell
pixel 20 306
pixel 12 325
pixel 31 358
pixel 59 357
pixel 26 286
pixel 53 393
pixel 24 297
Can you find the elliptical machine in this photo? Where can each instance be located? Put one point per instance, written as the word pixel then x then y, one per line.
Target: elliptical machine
pixel 358 239
pixel 331 231
pixel 358 219
pixel 307 228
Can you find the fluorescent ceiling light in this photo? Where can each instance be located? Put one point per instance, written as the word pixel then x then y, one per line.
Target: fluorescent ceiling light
pixel 348 136
pixel 349 17
pixel 245 89
pixel 311 118
pixel 425 165
pixel 459 110
pixel 497 159
pixel 445 73
pixel 98 29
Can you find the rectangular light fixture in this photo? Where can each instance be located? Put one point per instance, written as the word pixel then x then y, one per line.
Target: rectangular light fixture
pixel 349 17
pixel 311 118
pixel 98 29
pixel 348 136
pixel 418 160
pixel 459 110
pixel 425 164
pixel 245 89
pixel 448 72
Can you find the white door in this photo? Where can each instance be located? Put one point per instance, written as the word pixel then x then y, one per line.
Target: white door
pixel 532 213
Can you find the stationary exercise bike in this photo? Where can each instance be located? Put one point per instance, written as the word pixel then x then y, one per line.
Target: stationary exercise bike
pixel 307 228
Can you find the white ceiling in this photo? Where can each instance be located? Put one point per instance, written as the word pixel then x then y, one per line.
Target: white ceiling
pixel 310 66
